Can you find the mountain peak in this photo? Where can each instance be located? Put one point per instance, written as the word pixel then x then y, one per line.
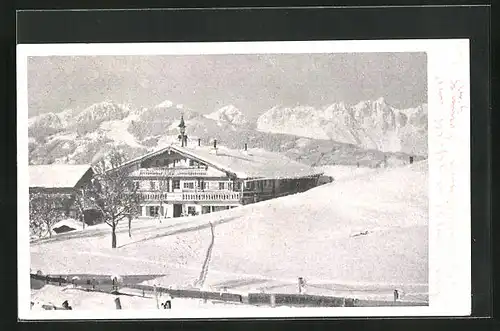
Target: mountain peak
pixel 228 114
pixel 165 104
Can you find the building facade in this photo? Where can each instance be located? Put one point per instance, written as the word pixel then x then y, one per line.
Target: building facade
pixel 191 179
pixel 62 183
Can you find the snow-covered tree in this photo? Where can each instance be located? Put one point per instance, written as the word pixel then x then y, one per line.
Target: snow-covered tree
pixel 81 202
pixel 113 192
pixel 45 210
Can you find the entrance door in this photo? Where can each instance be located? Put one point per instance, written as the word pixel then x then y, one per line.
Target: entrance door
pixel 177 210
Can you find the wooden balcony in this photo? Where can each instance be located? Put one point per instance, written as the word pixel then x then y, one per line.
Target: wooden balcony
pixel 214 196
pixel 169 172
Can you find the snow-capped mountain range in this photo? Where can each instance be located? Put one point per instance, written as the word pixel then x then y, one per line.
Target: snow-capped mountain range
pixel 368 124
pixel 229 115
pixel 335 134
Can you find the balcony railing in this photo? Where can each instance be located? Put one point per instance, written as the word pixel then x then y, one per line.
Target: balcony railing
pixel 169 172
pixel 191 196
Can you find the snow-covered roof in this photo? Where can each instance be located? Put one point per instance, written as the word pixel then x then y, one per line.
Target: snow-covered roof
pixel 69 222
pixel 255 163
pixel 56 175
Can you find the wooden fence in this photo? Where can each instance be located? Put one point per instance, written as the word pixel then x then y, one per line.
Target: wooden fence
pixel 106 285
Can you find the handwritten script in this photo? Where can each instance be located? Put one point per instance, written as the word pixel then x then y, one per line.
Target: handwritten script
pixel 452 97
pixel 452 93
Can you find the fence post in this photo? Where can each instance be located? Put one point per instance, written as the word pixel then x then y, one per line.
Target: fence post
pixel 156 297
pixel 118 303
pixel 273 300
pixel 301 284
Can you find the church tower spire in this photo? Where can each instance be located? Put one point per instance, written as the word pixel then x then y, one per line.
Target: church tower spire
pixel 182 129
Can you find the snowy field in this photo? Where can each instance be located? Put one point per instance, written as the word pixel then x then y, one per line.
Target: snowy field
pixel 361 236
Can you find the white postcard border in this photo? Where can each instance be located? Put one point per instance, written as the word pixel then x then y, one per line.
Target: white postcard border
pixel 449 172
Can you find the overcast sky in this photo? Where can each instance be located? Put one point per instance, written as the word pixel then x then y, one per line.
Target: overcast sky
pixel 253 83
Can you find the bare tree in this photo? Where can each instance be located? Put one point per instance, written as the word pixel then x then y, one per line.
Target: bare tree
pixel 80 203
pixel 134 212
pixel 45 210
pixel 113 192
pixel 83 200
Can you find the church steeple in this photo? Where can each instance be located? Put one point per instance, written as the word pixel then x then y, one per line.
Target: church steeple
pixel 182 129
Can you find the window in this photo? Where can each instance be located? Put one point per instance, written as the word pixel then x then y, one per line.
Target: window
pixel 192 163
pixel 152 185
pixel 154 211
pixel 137 184
pixel 177 184
pixel 189 185
pixel 191 210
pixel 204 185
pixel 222 185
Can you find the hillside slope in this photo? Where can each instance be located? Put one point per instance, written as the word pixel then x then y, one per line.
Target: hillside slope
pixel 370 230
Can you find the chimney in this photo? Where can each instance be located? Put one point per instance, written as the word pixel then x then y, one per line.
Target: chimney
pixel 199 142
pixel 214 149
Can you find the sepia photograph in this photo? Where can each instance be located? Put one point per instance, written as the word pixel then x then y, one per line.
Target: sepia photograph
pixel 220 178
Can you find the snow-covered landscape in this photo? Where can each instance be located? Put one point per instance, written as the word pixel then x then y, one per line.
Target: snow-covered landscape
pixel 288 191
pixel 361 236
